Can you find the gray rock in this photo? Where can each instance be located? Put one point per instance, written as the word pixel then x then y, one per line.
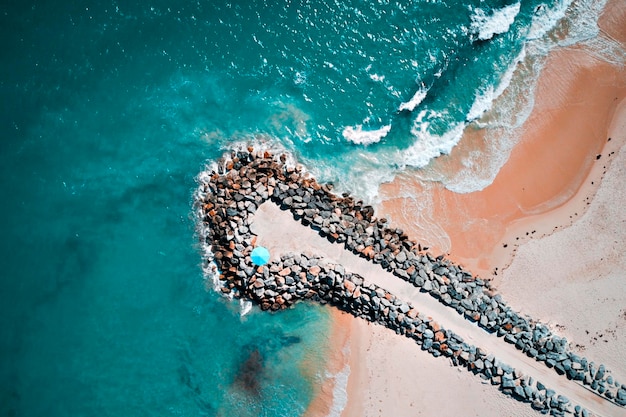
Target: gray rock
pixel 620 397
pixel 441 271
pixel 508 383
pixel 422 274
pixel 447 300
pixel 529 391
pixel 538 405
pixel 519 392
pixel 600 373
pixel 401 273
pixel 467 304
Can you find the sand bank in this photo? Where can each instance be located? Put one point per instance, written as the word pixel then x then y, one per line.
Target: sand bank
pixel 547 185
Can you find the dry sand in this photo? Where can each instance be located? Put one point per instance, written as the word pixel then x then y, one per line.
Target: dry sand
pixel 570 275
pixel 586 270
pixel 390 376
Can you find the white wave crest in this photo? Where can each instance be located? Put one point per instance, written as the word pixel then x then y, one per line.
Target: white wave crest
pixel 485 26
pixel 429 146
pixel 417 98
pixel 484 99
pixel 377 78
pixel 244 307
pixel 580 23
pixel 357 135
pixel 546 18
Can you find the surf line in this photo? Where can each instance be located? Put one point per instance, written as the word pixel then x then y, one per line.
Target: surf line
pixel 246 181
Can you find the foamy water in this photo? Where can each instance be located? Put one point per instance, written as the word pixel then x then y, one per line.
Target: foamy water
pixel 485 25
pixel 340 393
pixel 415 101
pixel 359 136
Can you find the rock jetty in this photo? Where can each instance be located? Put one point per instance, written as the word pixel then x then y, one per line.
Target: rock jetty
pixel 230 192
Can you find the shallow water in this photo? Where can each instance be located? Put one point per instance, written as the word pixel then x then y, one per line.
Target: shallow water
pixel 110 110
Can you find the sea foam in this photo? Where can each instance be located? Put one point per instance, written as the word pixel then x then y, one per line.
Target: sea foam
pixel 245 306
pixel 357 135
pixel 484 26
pixel 545 19
pixel 415 101
pixel 428 145
pixel 485 99
pixel 340 394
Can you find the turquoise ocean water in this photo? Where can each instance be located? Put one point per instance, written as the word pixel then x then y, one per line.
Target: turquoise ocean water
pixel 110 110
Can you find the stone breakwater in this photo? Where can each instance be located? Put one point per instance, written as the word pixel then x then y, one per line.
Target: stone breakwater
pixel 231 192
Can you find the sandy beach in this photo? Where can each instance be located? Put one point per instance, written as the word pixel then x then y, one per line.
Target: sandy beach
pixel 277 230
pixel 549 231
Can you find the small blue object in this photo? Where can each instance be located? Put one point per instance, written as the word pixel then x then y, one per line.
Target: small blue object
pixel 260 256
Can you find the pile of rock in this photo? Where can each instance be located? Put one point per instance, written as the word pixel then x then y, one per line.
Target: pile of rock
pixel 229 194
pixel 300 277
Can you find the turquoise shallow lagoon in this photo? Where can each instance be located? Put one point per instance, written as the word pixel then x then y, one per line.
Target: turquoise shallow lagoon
pixel 110 110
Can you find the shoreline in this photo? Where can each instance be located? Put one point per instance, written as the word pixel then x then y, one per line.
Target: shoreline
pixel 392 390
pixel 475 227
pixel 255 199
pixel 338 356
pixel 566 207
pixel 575 101
pixel 555 216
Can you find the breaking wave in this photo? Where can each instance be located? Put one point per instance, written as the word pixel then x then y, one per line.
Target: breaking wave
pixel 415 101
pixel 485 25
pixel 359 136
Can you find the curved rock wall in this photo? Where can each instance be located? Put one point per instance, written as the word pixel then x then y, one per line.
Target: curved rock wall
pixel 242 182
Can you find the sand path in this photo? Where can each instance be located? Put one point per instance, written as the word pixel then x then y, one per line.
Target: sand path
pixel 281 234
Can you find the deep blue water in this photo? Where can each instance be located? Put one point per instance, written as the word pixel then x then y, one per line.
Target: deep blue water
pixel 109 111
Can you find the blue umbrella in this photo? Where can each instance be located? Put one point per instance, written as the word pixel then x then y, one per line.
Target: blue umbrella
pixel 260 255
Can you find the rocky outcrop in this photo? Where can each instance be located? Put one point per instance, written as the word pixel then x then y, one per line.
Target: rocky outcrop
pixel 240 183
